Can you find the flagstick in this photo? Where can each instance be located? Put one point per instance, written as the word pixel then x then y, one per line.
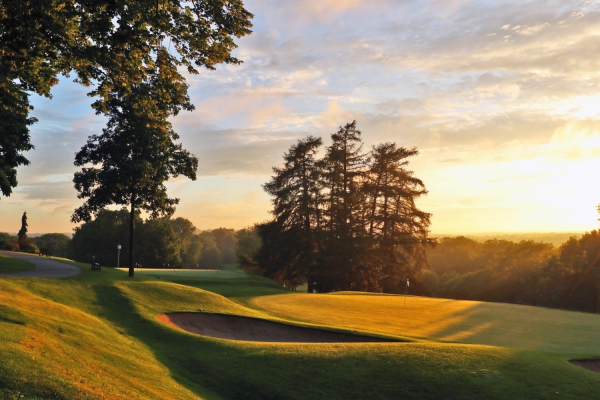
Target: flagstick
pixel 406 291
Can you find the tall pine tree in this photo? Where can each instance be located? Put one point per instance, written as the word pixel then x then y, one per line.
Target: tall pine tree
pixel 295 210
pixel 345 222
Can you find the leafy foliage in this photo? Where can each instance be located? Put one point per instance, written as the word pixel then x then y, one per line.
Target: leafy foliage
pixel 100 237
pixel 55 243
pixel 158 245
pixel 526 272
pixel 114 46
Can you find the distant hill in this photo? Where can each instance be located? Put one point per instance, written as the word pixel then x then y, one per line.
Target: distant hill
pixel 556 238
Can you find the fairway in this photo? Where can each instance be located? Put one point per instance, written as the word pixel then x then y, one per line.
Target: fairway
pixel 11 265
pixel 495 324
pixel 188 273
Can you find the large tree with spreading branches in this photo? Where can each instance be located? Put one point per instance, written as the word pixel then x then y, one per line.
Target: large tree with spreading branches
pixel 130 54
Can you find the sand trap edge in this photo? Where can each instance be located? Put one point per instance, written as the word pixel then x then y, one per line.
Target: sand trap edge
pixel 591 365
pixel 235 327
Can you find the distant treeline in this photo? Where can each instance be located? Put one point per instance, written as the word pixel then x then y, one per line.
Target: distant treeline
pixel 160 243
pixel 527 272
pixel 54 243
pixel 556 238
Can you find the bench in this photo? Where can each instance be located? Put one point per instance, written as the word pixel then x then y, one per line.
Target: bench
pixel 96 266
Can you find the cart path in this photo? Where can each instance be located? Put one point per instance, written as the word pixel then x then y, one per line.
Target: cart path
pixel 44 267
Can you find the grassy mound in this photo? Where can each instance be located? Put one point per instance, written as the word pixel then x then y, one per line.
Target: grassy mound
pixel 10 264
pixel 474 322
pixel 96 336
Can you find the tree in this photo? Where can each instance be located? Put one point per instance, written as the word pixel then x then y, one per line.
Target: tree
pixel 56 243
pixel 345 222
pixel 184 230
pixel 225 240
pixel 35 40
pixel 158 245
pixel 394 222
pixel 23 231
pixel 120 48
pixel 114 45
pixel 247 244
pixel 14 133
pixel 210 256
pixel 100 236
pixel 139 88
pixel 295 207
pixel 193 252
pixel 137 154
pixel 345 246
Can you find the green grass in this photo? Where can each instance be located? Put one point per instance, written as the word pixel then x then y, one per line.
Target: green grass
pixel 10 264
pixel 473 322
pixel 96 336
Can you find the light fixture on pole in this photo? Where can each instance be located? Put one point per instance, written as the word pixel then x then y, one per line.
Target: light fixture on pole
pixel 118 254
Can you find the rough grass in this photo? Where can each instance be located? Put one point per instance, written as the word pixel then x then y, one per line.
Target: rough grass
pixel 9 265
pixel 96 336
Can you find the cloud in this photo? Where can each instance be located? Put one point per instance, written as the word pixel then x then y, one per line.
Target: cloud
pixel 486 90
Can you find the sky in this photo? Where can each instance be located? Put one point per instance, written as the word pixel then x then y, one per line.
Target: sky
pixel 502 98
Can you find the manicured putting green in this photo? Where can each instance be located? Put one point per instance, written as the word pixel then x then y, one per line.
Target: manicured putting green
pixel 473 322
pixel 10 264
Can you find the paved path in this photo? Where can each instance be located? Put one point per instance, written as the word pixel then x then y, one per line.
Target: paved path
pixel 44 267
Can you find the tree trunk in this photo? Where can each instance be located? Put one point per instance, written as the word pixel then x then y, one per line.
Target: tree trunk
pixel 131 232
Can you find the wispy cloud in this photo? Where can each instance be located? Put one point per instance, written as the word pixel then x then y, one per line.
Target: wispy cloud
pixel 488 91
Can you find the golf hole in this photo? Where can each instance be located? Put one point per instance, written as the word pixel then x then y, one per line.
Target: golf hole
pixel 257 330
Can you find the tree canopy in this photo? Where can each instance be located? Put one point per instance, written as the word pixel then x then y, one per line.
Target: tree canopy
pixel 55 243
pixel 129 53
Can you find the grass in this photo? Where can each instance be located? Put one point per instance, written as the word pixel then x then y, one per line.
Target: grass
pixel 95 336
pixel 473 322
pixel 10 265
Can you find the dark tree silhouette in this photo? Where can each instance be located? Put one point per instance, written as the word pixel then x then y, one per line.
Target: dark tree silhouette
pixel 394 222
pixel 295 208
pixel 344 246
pixel 134 156
pixel 345 222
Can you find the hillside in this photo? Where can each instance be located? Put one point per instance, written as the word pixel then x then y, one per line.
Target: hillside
pixel 96 336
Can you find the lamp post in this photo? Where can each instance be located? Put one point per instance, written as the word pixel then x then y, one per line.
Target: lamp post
pixel 118 254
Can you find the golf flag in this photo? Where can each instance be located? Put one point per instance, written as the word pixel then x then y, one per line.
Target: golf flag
pixel 406 291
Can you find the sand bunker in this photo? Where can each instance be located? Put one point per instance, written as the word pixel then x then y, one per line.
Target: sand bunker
pixel 256 330
pixel 592 365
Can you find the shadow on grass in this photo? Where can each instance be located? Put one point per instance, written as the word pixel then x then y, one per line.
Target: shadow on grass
pixel 246 370
pixel 517 327
pixel 236 370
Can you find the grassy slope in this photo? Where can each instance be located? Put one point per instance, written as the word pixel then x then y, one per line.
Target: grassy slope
pixel 96 336
pixel 9 264
pixel 506 325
